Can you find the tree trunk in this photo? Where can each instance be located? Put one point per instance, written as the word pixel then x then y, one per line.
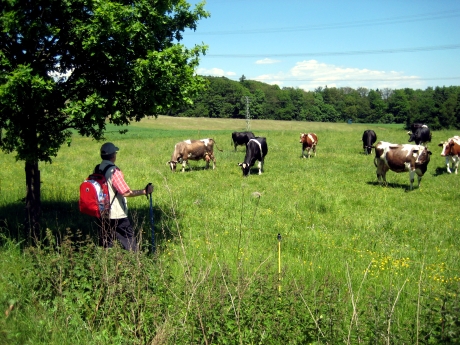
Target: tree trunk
pixel 33 203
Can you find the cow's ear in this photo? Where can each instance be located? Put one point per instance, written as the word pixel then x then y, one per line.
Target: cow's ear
pixel 441 143
pixel 429 152
pixel 240 164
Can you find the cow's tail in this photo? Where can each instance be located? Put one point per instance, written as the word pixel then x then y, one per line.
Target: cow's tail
pixel 217 147
pixel 375 161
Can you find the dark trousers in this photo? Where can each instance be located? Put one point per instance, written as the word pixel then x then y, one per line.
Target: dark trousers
pixel 120 229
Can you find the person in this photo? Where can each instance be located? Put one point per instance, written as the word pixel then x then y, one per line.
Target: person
pixel 117 224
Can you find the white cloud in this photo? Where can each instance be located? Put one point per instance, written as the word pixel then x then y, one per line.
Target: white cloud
pixel 266 61
pixel 217 72
pixel 310 74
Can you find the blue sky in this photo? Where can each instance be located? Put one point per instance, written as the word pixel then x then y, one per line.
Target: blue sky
pixel 307 44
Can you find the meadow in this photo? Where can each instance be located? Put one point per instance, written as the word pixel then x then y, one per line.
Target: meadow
pixel 357 263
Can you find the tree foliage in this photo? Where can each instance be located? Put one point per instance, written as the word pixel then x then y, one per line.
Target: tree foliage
pixel 76 64
pixel 438 107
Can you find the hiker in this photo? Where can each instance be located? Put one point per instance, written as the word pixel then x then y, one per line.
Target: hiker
pixel 117 223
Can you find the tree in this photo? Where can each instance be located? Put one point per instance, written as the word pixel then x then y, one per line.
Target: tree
pixel 256 105
pixel 78 64
pixel 399 106
pixel 377 105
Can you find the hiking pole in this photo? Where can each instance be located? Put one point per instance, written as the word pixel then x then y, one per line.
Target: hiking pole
pixel 279 263
pixel 151 219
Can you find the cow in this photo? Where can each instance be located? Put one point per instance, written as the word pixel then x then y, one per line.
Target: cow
pixel 309 142
pixel 400 158
pixel 241 138
pixel 193 150
pixel 256 149
pixel 420 133
pixel 451 150
pixel 369 138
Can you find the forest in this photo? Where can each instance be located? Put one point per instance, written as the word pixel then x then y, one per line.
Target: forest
pixel 438 107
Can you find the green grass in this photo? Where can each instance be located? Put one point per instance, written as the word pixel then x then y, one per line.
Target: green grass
pixel 359 262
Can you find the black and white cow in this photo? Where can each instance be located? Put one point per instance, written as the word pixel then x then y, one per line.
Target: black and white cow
pixel 241 138
pixel 369 138
pixel 256 149
pixel 420 133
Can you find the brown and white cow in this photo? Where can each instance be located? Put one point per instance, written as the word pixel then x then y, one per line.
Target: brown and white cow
pixel 401 158
pixel 309 142
pixel 193 150
pixel 451 150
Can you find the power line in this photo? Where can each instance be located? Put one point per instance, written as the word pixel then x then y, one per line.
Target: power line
pixel 342 25
pixel 351 52
pixel 353 80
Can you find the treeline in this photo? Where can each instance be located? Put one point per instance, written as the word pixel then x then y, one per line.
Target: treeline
pixel 224 98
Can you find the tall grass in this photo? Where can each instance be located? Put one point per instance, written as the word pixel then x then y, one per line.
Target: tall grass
pixel 360 263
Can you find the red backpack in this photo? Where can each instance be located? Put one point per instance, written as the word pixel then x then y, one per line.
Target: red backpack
pixel 94 194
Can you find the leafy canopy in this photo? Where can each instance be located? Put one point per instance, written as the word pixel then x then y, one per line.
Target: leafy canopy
pixel 76 64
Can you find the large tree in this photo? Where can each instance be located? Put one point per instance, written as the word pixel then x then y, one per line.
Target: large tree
pixel 78 64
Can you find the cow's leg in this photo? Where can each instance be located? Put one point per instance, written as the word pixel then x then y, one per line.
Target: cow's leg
pixel 381 173
pixel 184 163
pixel 303 153
pixel 314 150
pixel 455 161
pixel 411 179
pixel 448 163
pixel 213 162
pixel 419 179
pixel 384 174
pixel 261 167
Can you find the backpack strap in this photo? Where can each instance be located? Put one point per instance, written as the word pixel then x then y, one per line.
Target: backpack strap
pixel 106 168
pixel 103 172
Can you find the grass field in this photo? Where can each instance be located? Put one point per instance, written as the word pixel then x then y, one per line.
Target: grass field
pixel 357 262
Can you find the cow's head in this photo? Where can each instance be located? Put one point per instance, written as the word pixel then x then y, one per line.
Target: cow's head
pixel 172 165
pixel 446 147
pixel 302 137
pixel 245 168
pixel 368 149
pixel 411 136
pixel 423 155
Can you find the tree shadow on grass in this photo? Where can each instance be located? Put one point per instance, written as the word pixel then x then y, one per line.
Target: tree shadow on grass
pixel 63 219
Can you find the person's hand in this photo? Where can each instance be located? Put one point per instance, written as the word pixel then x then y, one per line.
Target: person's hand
pixel 148 189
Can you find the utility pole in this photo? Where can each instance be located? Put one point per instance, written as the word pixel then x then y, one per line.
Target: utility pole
pixel 248 118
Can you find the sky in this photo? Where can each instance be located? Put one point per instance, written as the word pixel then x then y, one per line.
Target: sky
pixel 349 43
